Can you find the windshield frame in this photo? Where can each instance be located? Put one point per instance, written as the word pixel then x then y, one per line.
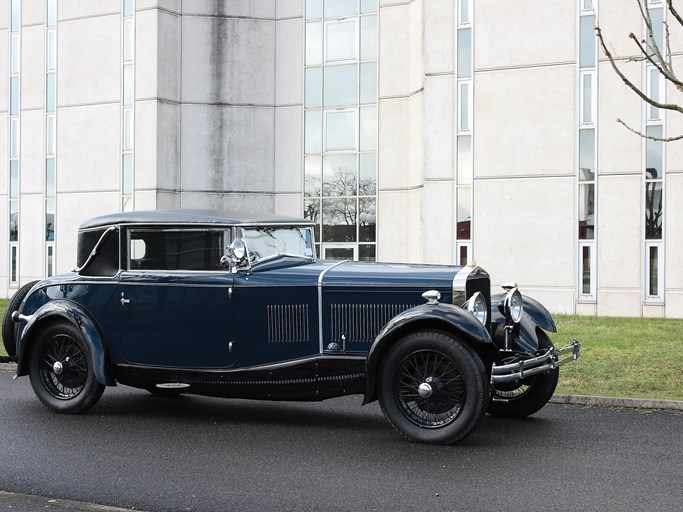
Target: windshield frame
pixel 271 230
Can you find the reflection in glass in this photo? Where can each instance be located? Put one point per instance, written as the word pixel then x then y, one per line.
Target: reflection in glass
pixel 368 128
pixel 464 53
pixel 462 255
pixel 49 258
pixel 465 167
pixel 49 220
pixel 340 41
pixel 463 11
pixel 50 92
pixel 586 211
pixel 14 179
pixel 339 220
pixel 656 16
pixel 587 42
pixel 587 5
pixel 15 8
pixel 50 178
pixel 128 7
pixel 13 220
pixel 654 156
pixel 128 85
pixel 367 219
pixel 339 175
pixel 314 85
pixel 314 44
pixel 312 165
pixel 368 38
pixel 13 269
pixel 14 96
pixel 339 253
pixel 368 82
pixel 366 252
pixel 653 210
pixel 653 274
pixel 586 270
pixel 314 9
pixel 587 155
pixel 313 132
pixel 587 96
pixel 341 85
pixel 464 213
pixel 340 8
pixel 127 185
pixel 340 130
pixel 312 212
pixel 367 185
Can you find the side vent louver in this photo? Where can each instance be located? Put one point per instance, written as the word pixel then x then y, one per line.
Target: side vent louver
pixel 288 324
pixel 360 323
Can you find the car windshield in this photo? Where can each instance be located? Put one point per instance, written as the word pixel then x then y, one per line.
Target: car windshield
pixel 264 243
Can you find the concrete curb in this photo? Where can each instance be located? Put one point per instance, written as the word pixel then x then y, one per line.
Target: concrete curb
pixel 589 401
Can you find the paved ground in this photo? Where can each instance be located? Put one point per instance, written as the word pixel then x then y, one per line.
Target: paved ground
pixel 194 453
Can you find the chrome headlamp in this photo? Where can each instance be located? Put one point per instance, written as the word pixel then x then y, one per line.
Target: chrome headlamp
pixel 513 306
pixel 478 307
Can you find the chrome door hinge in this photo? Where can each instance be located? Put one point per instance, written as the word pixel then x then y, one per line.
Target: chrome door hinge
pixel 230 293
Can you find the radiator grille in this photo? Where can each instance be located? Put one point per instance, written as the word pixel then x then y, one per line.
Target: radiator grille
pixel 360 323
pixel 288 324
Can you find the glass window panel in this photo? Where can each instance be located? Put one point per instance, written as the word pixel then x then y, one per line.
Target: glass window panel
pixel 314 9
pixel 368 128
pixel 368 82
pixel 128 7
pixel 128 85
pixel 14 179
pixel 367 184
pixel 368 6
pixel 128 40
pixel 656 16
pixel 366 252
pixel 16 15
pixel 128 130
pixel 314 85
pixel 368 38
pixel 339 253
pixel 653 210
pixel 51 13
pixel 51 62
pixel 339 220
pixel 16 55
pixel 462 255
pixel 464 107
pixel 654 153
pixel 585 270
pixel 127 185
pixel 587 98
pixel 340 8
pixel 13 220
pixel 464 214
pixel 127 203
pixel 312 212
pixel 49 260
pixel 464 53
pixel 50 177
pixel 14 138
pixel 586 211
pixel 340 41
pixel 587 5
pixel 340 175
pixel 341 85
pixel 50 135
pixel 367 219
pixel 313 137
pixel 587 42
pixel 14 96
pixel 463 11
pixel 587 155
pixel 312 174
pixel 49 220
pixel 654 93
pixel 13 264
pixel 653 271
pixel 50 92
pixel 340 130
pixel 314 44
pixel 465 167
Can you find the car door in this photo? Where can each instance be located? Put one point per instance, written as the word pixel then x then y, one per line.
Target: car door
pixel 176 299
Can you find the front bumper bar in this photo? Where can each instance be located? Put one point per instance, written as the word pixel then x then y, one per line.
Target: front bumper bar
pixel 540 364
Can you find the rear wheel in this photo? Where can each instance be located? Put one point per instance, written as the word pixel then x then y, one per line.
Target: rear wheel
pixel 61 370
pixel 433 388
pixel 9 327
pixel 523 398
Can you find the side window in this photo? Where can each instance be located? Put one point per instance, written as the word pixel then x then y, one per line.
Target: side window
pixel 105 262
pixel 176 249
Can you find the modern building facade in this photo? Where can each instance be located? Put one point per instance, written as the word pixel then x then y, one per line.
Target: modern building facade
pixel 436 131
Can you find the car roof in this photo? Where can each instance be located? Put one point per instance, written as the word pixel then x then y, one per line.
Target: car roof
pixel 179 217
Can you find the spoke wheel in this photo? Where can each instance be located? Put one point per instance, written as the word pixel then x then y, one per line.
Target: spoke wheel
pixel 523 398
pixel 433 388
pixel 61 370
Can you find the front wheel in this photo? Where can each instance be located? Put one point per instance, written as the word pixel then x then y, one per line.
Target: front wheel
pixel 61 370
pixel 433 388
pixel 525 397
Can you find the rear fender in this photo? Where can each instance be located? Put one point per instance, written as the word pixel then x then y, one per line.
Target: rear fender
pixel 441 317
pixel 73 313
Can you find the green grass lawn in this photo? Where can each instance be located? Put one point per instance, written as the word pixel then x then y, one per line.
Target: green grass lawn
pixel 621 357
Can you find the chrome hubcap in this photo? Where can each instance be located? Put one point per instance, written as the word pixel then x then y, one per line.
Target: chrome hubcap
pixel 425 390
pixel 58 368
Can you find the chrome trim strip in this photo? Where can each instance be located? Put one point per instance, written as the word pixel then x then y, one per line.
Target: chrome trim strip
pixel 94 250
pixel 536 365
pixel 459 282
pixel 320 302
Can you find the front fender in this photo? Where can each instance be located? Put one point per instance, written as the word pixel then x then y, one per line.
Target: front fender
pixel 76 315
pixel 528 335
pixel 443 317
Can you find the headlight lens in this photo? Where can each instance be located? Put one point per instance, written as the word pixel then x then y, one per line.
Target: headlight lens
pixel 514 306
pixel 478 307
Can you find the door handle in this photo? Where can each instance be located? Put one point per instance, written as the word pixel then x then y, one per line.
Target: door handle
pixel 124 301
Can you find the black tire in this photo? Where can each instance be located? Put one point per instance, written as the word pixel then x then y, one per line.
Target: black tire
pixel 70 387
pixel 9 328
pixel 525 397
pixel 454 388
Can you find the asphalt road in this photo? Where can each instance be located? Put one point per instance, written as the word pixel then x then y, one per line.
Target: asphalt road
pixel 202 454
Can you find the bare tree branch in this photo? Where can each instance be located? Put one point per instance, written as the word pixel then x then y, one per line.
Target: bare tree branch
pixel 645 136
pixel 673 12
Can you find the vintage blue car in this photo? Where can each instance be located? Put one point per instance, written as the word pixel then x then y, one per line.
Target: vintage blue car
pixel 232 305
